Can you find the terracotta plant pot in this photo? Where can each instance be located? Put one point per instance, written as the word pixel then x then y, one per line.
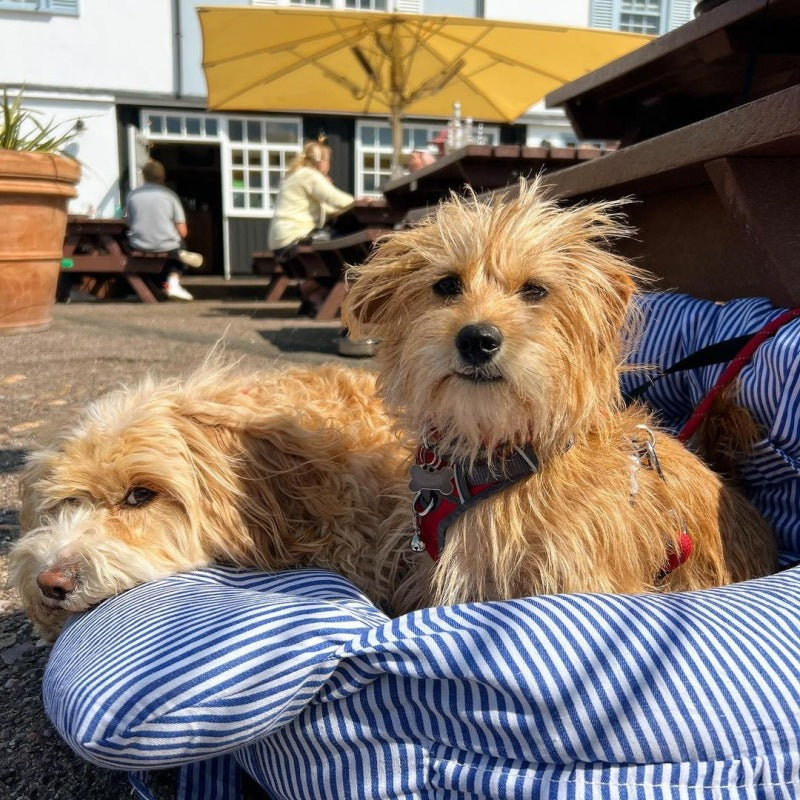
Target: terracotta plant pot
pixel 35 189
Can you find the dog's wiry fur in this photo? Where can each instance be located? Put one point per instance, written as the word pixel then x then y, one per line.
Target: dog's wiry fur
pixel 271 470
pixel 546 278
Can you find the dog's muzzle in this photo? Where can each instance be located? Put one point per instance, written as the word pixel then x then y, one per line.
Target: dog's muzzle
pixel 56 584
pixel 479 343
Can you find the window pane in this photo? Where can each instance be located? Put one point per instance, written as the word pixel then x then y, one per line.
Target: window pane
pixel 211 127
pixel 274 159
pixel 256 200
pixel 235 130
pixel 173 124
pixel 369 161
pixel 238 199
pixel 253 131
pixel 254 158
pixel 237 157
pixel 156 124
pixel 282 132
pixel 385 137
pixel 420 139
pixel 193 125
pixel 386 162
pixel 368 136
pixel 370 184
pixel 255 180
pixel 237 180
pixel 274 180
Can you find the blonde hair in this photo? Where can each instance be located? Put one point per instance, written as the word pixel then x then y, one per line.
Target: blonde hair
pixel 312 155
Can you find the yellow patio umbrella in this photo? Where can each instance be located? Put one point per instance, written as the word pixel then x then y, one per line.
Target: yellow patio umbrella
pixel 311 59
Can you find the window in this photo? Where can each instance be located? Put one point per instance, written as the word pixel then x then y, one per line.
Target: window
pixel 640 16
pixel 366 5
pixel 318 3
pixel 374 150
pixel 65 7
pixel 260 151
pixel 653 17
pixel 183 127
pixel 255 152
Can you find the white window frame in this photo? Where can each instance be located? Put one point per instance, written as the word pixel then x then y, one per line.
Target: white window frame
pixel 67 8
pixel 608 14
pixel 648 21
pixel 367 5
pixel 416 136
pixel 267 152
pixel 284 150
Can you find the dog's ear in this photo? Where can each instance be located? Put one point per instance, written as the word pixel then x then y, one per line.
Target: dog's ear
pixel 35 470
pixel 376 287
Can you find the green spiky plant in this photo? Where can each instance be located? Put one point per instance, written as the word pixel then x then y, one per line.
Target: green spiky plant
pixel 20 130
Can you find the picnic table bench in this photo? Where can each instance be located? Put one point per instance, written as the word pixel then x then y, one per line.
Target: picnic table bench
pixel 326 262
pixel 718 198
pixel 97 251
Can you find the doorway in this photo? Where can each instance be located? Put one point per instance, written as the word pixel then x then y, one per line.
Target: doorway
pixel 194 173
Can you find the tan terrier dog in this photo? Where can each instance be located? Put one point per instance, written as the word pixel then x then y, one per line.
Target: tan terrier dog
pixel 268 470
pixel 502 331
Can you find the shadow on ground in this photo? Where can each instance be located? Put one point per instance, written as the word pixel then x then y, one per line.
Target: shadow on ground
pixel 256 312
pixel 11 460
pixel 301 340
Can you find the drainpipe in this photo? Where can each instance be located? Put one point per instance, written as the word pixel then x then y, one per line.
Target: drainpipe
pixel 177 49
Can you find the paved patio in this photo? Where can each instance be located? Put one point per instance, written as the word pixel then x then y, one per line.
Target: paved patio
pixel 45 378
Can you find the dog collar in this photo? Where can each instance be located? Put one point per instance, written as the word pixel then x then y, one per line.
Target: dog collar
pixel 444 491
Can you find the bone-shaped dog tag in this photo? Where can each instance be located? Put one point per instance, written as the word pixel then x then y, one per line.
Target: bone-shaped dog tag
pixel 431 480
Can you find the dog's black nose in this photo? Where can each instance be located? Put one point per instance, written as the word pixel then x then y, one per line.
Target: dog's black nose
pixel 479 343
pixel 55 584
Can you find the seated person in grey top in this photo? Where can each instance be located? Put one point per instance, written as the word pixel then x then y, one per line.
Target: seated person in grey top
pixel 157 223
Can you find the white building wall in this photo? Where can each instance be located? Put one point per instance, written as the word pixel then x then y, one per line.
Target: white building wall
pixel 94 146
pixel 112 45
pixel 73 67
pixel 544 12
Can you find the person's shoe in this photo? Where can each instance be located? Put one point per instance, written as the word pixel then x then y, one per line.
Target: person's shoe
pixel 193 260
pixel 174 291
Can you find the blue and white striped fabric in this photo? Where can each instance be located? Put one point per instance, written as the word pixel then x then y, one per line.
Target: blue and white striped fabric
pixel 676 325
pixel 316 695
pixel 296 679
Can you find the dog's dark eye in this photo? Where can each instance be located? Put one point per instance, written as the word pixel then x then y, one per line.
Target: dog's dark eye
pixel 450 286
pixel 138 496
pixel 533 291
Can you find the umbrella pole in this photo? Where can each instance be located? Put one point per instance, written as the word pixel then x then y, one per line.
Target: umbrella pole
pixel 397 139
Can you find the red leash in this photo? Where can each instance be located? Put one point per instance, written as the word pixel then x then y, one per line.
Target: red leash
pixel 733 369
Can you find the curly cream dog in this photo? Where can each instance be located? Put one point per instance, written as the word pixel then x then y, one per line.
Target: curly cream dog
pixel 269 470
pixel 502 331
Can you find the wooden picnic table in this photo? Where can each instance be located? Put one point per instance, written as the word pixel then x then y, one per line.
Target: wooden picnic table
pixel 480 167
pixel 96 250
pixel 738 52
pixel 717 199
pixel 365 213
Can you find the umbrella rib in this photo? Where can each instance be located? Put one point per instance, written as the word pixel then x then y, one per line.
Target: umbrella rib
pixel 511 62
pixel 301 61
pixel 465 78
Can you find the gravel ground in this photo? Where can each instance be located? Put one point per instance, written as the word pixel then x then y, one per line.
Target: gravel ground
pixel 45 379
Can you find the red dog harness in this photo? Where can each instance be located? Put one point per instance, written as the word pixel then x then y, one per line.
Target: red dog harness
pixel 444 491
